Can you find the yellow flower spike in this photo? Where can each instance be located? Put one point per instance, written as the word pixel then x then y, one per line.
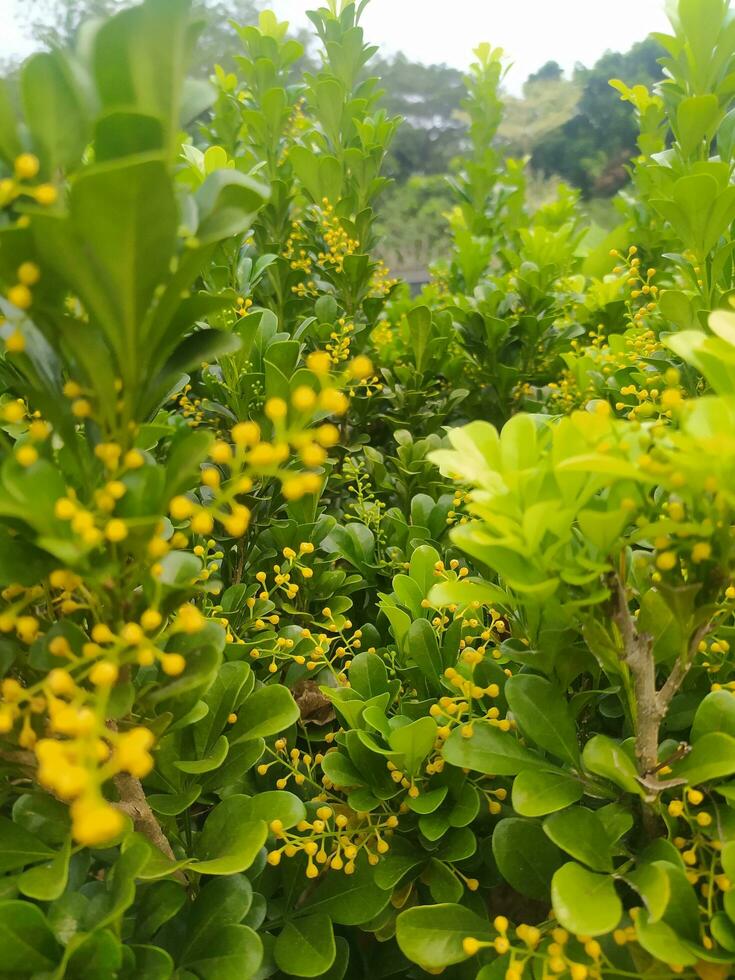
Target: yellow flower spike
pixel 593 949
pixel 246 433
pixel 701 551
pixel 327 435
pixel 29 273
pixel 26 455
pixel 132 634
pixel 181 508
pixel 104 674
pixel 15 343
pixel 361 367
pixel 133 459
pixel 81 408
pixel 695 796
pixel 39 430
pixel 666 561
pixel 26 166
pixel 319 362
pixel 276 409
pixel 202 522
pixel 14 411
pixel 151 620
pixel 221 452
pixel 46 194
pixel 189 619
pixel 211 477
pixel 172 664
pixel 238 522
pixel 304 398
pixel 116 530
pixel 95 821
pixel 333 401
pixel 72 390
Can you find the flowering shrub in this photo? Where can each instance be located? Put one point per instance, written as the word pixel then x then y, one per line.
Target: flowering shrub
pixel 345 633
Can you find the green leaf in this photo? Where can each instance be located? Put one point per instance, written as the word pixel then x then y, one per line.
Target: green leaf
pixel 230 840
pixel 349 900
pixel 712 757
pixel 231 952
pixel 227 202
pixel 140 58
pixel 536 793
pixel 26 941
pixel 414 742
pixel 276 805
pixel 581 833
pixel 222 901
pixel 696 120
pixel 18 847
pixel 525 856
pixel 585 903
pixel 46 882
pixel 368 675
pixel 151 963
pixel 54 110
pixel 605 757
pixel 432 935
pixel 716 713
pixel 97 955
pixel 652 884
pixel 213 761
pixel 662 942
pixel 421 646
pixel 491 751
pixel 266 712
pixel 541 710
pixel 305 946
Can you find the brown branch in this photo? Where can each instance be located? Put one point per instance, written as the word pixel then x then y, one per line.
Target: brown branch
pixel 133 802
pixel 651 704
pixel 638 648
pixel 18 757
pixel 682 668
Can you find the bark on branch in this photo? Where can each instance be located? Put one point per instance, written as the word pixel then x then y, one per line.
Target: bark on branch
pixel 651 704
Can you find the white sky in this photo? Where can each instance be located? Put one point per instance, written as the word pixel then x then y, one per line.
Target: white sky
pixel 531 31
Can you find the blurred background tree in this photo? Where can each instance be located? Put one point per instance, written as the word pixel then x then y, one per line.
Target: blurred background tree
pixel 576 129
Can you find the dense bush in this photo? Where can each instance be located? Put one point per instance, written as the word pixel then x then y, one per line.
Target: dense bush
pixel 346 633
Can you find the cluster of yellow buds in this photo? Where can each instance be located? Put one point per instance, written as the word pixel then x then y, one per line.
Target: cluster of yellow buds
pixel 305 290
pixel 20 296
pixel 383 335
pixel 457 515
pixel 96 523
pixel 381 281
pixel 337 242
pixel 63 716
pixel 340 339
pixel 700 848
pixel 190 408
pixel 243 306
pixel 640 282
pixel 26 168
pixel 246 455
pixel 578 957
pixel 292 764
pixel 334 839
pixel 331 649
